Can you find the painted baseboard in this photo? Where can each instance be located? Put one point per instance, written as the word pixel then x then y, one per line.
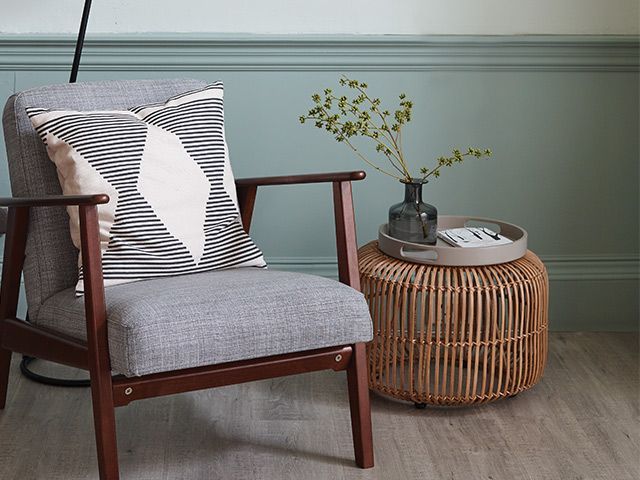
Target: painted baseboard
pixel 202 52
pixel 592 267
pixel 566 268
pixel 588 292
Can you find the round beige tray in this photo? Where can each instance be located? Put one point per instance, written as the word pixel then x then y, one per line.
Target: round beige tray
pixel 444 254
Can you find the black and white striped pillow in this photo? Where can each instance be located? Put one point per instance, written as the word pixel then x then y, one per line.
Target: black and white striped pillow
pixel 173 207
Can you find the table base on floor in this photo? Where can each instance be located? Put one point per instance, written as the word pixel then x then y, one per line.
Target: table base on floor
pixel 455 335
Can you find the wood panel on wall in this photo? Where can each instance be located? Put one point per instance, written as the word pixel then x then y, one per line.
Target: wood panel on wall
pixel 559 112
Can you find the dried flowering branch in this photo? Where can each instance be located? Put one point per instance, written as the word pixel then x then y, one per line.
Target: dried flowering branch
pixel 362 115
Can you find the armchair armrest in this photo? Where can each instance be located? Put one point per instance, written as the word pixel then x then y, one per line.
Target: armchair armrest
pixel 54 200
pixel 347 248
pixel 304 178
pixel 247 187
pixel 95 309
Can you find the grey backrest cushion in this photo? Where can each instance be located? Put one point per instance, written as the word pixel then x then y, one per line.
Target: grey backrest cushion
pixel 51 259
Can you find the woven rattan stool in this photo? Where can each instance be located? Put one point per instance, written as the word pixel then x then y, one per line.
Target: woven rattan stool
pixel 454 335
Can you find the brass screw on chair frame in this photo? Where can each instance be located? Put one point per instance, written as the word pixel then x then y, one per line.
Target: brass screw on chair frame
pixel 128 391
pixel 338 357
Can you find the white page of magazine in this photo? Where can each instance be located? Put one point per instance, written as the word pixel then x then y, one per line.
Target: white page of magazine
pixel 472 237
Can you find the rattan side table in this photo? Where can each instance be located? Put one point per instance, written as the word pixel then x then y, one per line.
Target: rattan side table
pixel 454 335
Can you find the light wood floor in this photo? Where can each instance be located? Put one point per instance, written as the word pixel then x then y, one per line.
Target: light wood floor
pixel 580 422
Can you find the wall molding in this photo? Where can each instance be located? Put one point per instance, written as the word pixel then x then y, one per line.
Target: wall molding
pixel 207 52
pixel 572 268
pixel 599 307
pixel 592 267
pixel 559 267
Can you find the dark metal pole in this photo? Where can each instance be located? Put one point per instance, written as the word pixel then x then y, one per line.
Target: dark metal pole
pixel 80 41
pixel 26 360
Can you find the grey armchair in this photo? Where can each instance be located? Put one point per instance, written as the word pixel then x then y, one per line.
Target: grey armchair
pixel 169 335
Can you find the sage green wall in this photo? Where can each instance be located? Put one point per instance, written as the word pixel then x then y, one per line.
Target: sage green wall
pixel 560 113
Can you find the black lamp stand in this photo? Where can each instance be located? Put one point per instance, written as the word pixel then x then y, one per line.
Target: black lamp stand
pixel 26 360
pixel 80 41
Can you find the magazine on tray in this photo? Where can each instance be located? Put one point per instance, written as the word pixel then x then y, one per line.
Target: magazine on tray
pixel 472 237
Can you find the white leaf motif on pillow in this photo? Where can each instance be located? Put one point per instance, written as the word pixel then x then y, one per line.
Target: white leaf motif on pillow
pixel 181 207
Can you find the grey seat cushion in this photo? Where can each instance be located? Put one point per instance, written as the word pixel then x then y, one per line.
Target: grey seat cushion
pixel 215 317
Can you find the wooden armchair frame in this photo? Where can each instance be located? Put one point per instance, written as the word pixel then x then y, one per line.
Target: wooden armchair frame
pixel 109 391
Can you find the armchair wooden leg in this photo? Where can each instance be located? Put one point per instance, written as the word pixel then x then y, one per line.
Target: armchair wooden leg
pixel 5 363
pixel 105 426
pixel 360 407
pixel 98 345
pixel 14 245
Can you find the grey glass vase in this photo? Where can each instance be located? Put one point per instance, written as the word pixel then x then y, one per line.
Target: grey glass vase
pixel 413 220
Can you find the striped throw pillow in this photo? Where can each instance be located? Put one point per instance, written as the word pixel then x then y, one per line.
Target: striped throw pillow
pixel 165 166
